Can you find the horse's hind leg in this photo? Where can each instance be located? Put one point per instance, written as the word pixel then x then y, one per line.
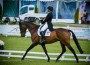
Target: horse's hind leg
pixel 63 51
pixel 31 46
pixel 45 50
pixel 72 50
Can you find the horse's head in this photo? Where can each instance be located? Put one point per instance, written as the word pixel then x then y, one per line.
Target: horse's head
pixel 23 28
pixel 27 23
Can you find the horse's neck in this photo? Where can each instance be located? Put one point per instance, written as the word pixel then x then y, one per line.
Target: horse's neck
pixel 32 27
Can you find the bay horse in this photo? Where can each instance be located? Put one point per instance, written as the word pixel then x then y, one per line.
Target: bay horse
pixel 59 34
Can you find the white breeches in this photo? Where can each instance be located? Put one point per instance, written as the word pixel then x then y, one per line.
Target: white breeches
pixel 43 27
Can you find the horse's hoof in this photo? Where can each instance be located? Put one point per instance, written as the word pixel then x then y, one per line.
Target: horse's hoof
pixel 77 61
pixel 81 52
pixel 48 60
pixel 57 60
pixel 22 59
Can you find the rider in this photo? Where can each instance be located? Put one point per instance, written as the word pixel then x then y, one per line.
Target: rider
pixel 46 24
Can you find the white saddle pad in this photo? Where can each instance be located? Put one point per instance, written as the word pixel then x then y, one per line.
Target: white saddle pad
pixel 47 32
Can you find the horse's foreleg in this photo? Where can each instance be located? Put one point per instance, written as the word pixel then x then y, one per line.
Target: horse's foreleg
pixel 31 46
pixel 72 50
pixel 63 51
pixel 45 50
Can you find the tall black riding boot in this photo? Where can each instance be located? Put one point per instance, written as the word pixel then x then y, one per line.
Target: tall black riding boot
pixel 42 37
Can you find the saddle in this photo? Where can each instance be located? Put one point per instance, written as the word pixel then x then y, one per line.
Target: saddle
pixel 47 32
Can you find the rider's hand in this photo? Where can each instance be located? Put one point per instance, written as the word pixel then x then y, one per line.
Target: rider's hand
pixel 41 21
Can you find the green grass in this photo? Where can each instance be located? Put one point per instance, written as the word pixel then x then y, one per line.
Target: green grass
pixel 71 25
pixel 19 43
pixel 16 61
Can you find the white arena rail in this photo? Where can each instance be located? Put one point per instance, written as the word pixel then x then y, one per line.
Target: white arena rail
pixel 11 53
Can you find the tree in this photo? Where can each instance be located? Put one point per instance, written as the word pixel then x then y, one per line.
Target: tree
pixel 36 9
pixel 76 16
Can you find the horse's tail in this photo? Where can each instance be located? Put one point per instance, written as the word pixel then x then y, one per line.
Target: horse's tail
pixel 76 42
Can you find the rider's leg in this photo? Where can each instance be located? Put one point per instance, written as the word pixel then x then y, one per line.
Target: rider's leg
pixel 42 33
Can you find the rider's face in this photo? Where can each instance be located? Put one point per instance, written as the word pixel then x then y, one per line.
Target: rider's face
pixel 48 10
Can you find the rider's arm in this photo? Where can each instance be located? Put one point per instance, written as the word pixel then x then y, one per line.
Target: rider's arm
pixel 46 19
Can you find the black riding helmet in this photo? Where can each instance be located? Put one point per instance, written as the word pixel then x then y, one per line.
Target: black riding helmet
pixel 50 8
